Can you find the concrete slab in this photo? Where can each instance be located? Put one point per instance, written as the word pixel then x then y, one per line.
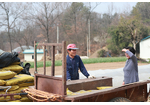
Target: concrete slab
pixel 117 74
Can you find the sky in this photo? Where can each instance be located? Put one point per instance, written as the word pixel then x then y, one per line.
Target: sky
pixel 103 7
pixel 119 6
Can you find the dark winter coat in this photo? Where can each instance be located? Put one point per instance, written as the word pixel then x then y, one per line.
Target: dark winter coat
pixel 73 65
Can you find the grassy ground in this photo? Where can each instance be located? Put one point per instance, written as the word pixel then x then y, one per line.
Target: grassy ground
pixel 103 60
pixel 85 61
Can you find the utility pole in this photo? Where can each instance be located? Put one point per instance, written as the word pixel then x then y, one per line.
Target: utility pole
pixel 57 38
pixel 89 38
pixel 87 47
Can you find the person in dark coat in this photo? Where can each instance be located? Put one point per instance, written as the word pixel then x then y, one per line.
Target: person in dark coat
pixel 74 63
pixel 131 66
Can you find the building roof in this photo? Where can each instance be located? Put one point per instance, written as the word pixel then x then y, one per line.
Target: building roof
pixel 31 51
pixel 18 49
pixel 145 38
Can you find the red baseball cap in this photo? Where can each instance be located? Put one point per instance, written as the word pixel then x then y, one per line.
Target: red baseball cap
pixel 72 46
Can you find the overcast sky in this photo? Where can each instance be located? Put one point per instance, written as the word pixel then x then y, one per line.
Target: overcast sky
pixel 118 6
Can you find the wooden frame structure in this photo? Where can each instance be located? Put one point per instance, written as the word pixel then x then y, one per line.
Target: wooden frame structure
pixel 50 83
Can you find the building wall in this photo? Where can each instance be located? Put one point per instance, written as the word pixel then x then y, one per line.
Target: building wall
pixel 145 49
pixel 30 57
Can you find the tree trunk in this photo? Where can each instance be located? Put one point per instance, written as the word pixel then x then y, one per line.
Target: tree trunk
pixel 9 40
pixel 134 46
pixel 20 46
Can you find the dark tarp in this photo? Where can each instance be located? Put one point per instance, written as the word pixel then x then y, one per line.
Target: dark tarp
pixel 7 59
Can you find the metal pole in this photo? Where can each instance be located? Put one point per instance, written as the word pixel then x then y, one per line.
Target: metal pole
pixel 57 38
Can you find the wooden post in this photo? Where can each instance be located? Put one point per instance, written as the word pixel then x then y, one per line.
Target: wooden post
pixel 35 58
pixel 35 64
pixel 44 60
pixel 53 61
pixel 64 67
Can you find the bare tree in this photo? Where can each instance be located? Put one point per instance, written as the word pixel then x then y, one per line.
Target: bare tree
pixel 17 37
pixel 44 15
pixel 30 33
pixel 24 34
pixel 10 13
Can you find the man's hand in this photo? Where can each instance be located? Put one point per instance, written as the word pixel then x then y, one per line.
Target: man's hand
pixel 90 77
pixel 69 80
pixel 123 83
pixel 124 50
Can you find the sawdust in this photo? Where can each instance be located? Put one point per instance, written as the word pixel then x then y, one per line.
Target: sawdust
pixel 57 57
pixel 95 54
pixel 47 58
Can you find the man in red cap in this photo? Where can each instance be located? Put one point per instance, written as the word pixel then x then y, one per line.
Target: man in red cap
pixel 74 63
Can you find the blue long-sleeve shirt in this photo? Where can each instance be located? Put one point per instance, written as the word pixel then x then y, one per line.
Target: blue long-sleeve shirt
pixel 131 69
pixel 73 65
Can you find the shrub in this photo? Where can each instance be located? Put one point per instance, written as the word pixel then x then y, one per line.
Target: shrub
pixel 101 53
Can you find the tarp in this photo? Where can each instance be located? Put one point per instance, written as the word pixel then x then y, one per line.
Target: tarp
pixel 7 59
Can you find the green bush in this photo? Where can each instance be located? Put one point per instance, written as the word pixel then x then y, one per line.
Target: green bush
pixel 101 53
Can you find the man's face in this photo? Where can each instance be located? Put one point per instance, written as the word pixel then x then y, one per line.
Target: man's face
pixel 72 53
pixel 127 56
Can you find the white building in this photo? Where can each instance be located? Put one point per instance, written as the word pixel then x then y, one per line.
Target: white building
pixel 29 54
pixel 145 48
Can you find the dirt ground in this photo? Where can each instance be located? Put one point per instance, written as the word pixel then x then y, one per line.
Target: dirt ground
pixel 89 67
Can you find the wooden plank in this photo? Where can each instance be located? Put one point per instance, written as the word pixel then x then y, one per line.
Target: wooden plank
pixel 47 76
pixel 50 44
pixel 88 84
pixel 52 85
